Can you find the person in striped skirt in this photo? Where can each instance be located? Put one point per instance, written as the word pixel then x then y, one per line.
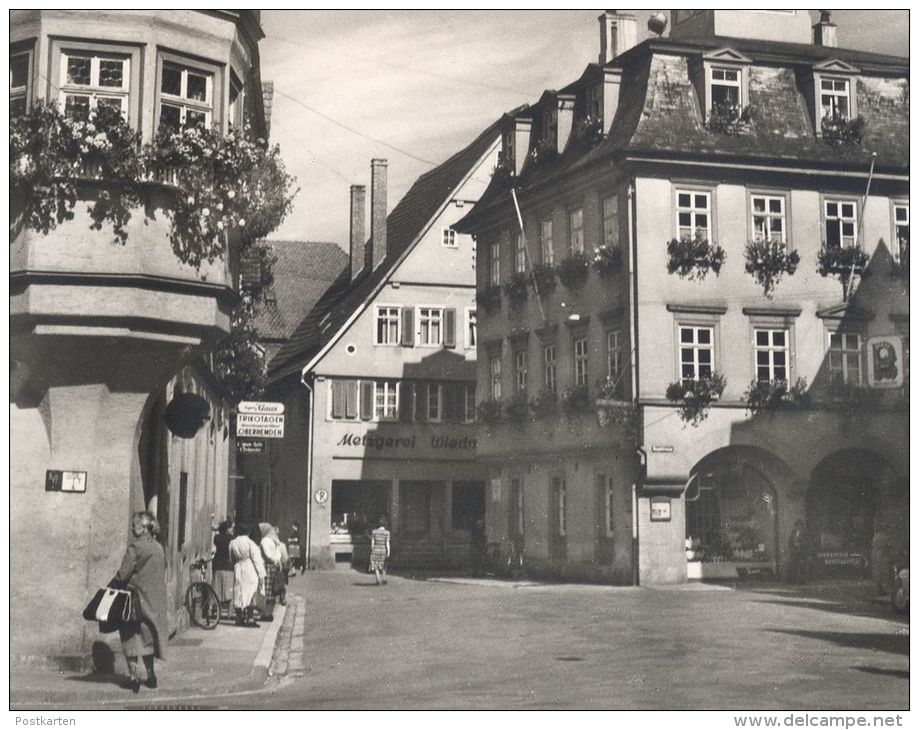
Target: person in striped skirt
pixel 379 551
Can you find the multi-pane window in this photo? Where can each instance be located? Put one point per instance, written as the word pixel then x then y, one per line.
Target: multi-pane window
pixel 385 400
pixel 19 84
pixel 430 326
pixel 613 357
pixel 494 375
pixel 90 81
pixel 520 370
pixel 725 86
pixel 494 263
pixel 595 101
pixel 468 403
pixel 901 229
pixel 449 238
pixel 609 235
pixel 520 253
pixel 693 214
pixel 186 96
pixel 576 230
pixel 507 148
pixel 768 217
pixel 435 402
pixel 771 347
pixel 545 242
pixel 834 98
pixel 580 361
pixel 388 320
pixel 549 126
pixel 697 351
pixel 471 332
pixel 841 223
pixel 549 369
pixel 845 362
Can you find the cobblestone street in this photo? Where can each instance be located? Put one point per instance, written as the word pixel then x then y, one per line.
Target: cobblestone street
pixel 471 644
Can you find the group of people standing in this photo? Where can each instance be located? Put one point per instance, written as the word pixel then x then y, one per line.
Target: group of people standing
pixel 251 567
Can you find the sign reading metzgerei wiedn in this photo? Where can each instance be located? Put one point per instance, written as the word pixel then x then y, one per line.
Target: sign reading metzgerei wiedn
pixel 260 425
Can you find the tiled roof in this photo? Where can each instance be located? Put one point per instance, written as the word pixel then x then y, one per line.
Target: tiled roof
pixel 303 272
pixel 404 225
pixel 659 113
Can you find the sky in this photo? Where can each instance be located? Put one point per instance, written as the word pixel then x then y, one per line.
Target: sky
pixel 416 86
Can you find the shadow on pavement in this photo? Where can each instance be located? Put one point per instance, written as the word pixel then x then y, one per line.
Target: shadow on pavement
pixel 889 643
pixel 898 673
pixel 97 678
pixel 853 598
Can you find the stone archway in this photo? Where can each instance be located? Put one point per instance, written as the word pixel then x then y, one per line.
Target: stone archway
pixel 732 513
pixel 845 510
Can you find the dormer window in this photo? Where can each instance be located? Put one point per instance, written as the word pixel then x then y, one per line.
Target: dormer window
pixel 549 126
pixel 725 86
pixel 834 98
pixel 595 101
pixel 507 147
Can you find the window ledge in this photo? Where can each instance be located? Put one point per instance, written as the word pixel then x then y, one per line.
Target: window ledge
pixel 772 311
pixel 698 308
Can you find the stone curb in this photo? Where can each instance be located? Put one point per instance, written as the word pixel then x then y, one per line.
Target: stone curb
pixel 266 650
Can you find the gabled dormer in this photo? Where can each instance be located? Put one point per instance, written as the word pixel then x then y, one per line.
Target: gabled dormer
pixel 721 79
pixel 831 91
pixel 600 88
pixel 555 121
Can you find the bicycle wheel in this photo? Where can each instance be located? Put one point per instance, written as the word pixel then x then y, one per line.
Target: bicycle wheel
pixel 203 605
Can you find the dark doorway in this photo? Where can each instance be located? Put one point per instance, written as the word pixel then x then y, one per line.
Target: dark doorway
pixel 468 505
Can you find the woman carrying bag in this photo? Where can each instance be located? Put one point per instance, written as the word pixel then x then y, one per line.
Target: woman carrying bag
pixel 143 570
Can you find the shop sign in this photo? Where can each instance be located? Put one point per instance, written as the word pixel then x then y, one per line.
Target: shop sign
pixel 660 509
pixel 250 446
pixel 260 425
pixel 65 481
pixel 374 442
pixel 661 449
pixel 248 406
pixel 885 362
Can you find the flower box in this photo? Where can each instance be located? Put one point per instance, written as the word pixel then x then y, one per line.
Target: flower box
pixel 573 270
pixel 843 263
pixel 607 260
pixel 773 395
pixel 544 277
pixel 837 130
pixel 767 261
pixel 544 403
pixel 693 258
pixel 694 397
pixel 489 298
pixel 728 118
pixel 516 289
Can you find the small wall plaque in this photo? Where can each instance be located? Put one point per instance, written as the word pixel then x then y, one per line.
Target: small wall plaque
pixel 660 509
pixel 65 481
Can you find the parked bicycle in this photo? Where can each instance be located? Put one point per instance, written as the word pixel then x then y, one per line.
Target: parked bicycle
pixel 201 600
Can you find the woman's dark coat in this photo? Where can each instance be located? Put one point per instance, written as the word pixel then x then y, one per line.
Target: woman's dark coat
pixel 144 570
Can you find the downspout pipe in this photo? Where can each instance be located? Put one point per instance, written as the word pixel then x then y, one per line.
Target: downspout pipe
pixel 633 306
pixel 305 379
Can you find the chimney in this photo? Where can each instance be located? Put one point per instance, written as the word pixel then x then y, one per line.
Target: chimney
pixel 564 120
pixel 618 33
pixel 825 31
pixel 358 198
pixel 377 212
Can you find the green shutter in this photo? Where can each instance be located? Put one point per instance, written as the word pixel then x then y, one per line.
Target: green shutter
pixel 408 327
pixel 366 400
pixel 406 401
pixel 350 398
pixel 338 399
pixel 450 328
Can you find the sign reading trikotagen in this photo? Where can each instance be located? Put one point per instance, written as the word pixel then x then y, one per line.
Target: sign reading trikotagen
pixel 260 425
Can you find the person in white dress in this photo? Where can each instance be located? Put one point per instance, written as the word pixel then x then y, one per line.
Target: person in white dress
pixel 249 575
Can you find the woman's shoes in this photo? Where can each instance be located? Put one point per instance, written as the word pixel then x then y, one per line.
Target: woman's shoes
pixel 151 681
pixel 133 684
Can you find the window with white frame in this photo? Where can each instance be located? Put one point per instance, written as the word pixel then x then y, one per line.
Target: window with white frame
pixel 771 351
pixel 768 215
pixel 613 356
pixel 469 403
pixel 449 238
pixel 547 255
pixel 494 263
pixel 520 370
pixel 725 86
pixel 844 358
pixel 901 231
pixel 607 527
pixel 494 376
pixel 471 331
pixel 186 96
pixel 580 361
pixel 385 400
pixel 520 253
pixel 576 230
pixel 693 214
pixel 90 80
pixel 549 368
pixel 697 352
pixel 430 326
pixel 840 223
pixel 389 321
pixel 435 402
pixel 20 75
pixel 834 97
pixel 610 233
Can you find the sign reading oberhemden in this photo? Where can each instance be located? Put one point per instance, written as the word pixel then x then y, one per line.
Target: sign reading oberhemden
pixel 260 425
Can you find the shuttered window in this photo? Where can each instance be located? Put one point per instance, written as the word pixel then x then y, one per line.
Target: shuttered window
pixel 450 328
pixel 345 399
